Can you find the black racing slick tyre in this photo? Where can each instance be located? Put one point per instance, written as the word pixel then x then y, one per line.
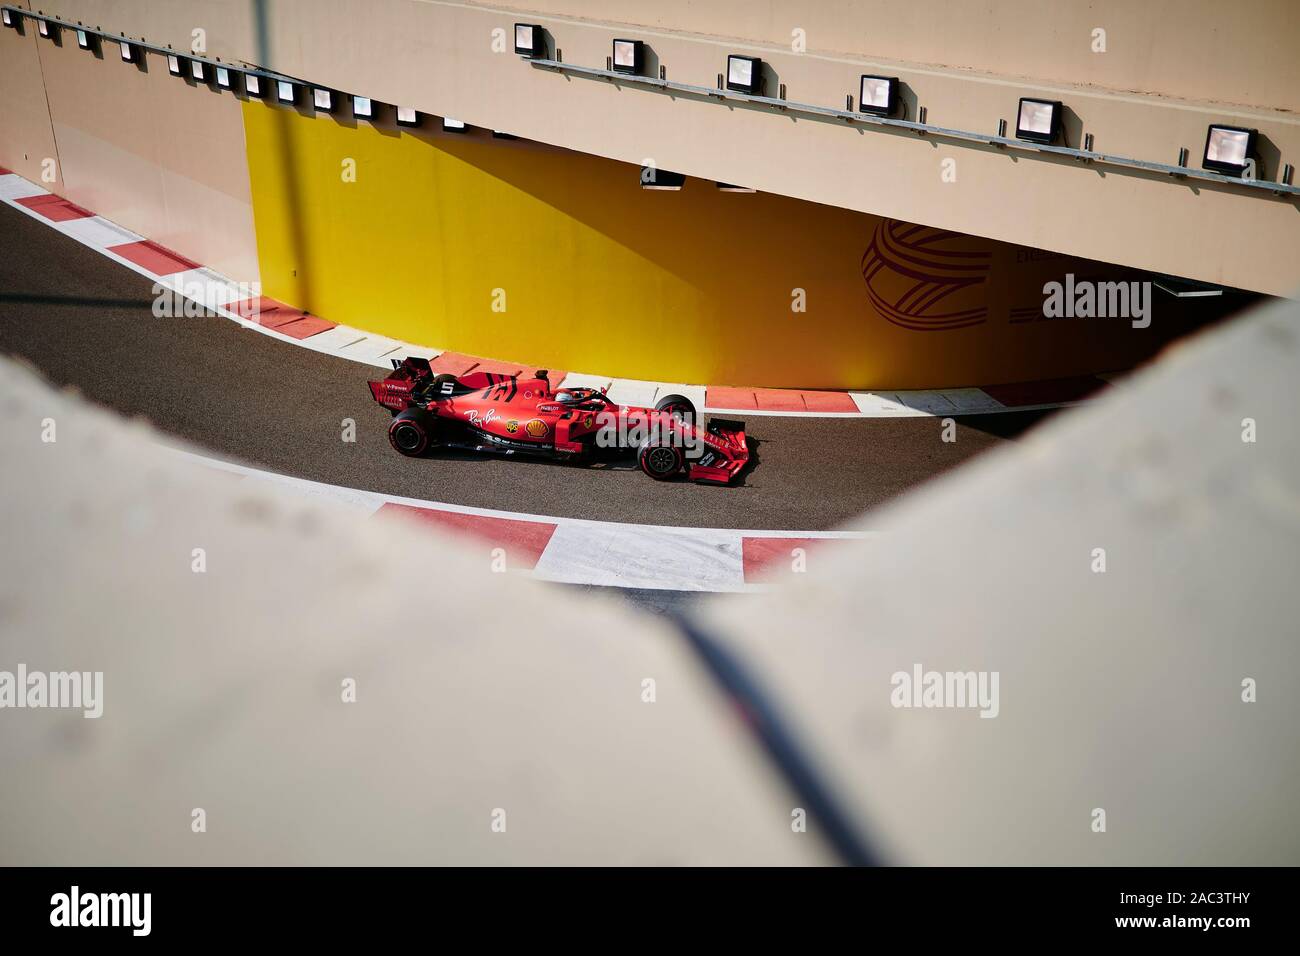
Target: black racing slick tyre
pixel 411 432
pixel 661 462
pixel 679 406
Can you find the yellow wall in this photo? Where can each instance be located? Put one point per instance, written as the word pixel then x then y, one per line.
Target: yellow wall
pixel 600 275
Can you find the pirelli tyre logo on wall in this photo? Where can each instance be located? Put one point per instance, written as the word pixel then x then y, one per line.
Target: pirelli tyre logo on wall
pixel 925 279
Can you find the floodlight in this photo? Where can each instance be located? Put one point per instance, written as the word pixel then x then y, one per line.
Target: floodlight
pixel 322 100
pixel 253 86
pixel 744 74
pixel 9 19
pixel 128 51
pixel 450 125
pixel 199 71
pixel 1227 149
pixel 502 134
pixel 224 79
pixel 85 40
pixel 878 95
pixel 628 56
pixel 286 92
pixel 1038 121
pixel 661 179
pixel 406 116
pixel 47 29
pixel 174 65
pixel 362 107
pixel 528 40
pixel 732 188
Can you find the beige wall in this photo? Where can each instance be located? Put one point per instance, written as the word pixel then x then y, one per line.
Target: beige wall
pixel 438 57
pixel 1242 53
pixel 26 138
pixel 144 149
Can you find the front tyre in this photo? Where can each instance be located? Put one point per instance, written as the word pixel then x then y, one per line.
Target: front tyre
pixel 411 432
pixel 661 462
pixel 679 406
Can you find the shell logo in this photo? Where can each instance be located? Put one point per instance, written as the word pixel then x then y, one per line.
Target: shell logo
pixel 926 279
pixel 536 428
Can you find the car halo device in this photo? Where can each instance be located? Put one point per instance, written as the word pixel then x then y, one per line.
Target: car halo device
pixel 744 74
pixel 878 94
pixel 1038 121
pixel 407 116
pixel 286 92
pixel 1228 149
pixel 528 40
pixel 363 107
pixel 628 57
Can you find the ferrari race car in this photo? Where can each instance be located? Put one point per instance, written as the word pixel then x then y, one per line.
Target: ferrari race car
pixel 509 414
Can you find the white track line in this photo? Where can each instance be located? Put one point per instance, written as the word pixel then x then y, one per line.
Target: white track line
pixel 581 550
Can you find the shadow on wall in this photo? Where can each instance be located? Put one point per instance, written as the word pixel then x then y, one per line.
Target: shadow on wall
pixel 516 250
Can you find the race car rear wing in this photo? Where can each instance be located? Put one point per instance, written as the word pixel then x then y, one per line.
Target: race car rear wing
pixel 395 391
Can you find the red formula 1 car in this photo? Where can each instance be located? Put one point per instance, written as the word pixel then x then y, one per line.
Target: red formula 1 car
pixel 508 414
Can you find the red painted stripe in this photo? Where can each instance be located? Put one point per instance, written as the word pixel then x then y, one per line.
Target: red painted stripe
pixel 252 308
pixel 779 400
pixel 54 208
pixel 829 402
pixel 727 396
pixel 273 314
pixel 5 172
pixel 761 555
pixel 1050 392
pixel 523 541
pixel 155 258
pixel 458 363
pixel 305 327
pixel 31 202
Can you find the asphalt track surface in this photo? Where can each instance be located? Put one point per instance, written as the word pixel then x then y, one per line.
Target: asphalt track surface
pixel 82 320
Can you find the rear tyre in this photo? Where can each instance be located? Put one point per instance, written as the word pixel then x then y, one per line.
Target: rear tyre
pixel 411 432
pixel 661 462
pixel 679 406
